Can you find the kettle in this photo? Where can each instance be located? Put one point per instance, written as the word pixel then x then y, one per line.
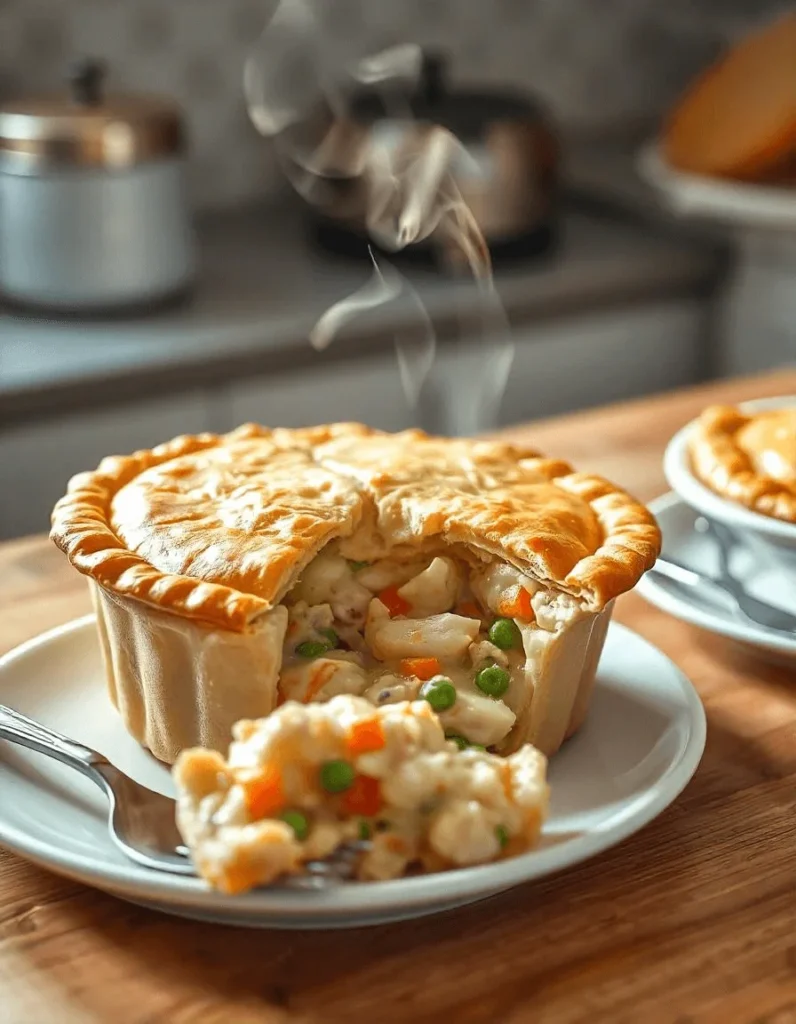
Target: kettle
pixel 505 166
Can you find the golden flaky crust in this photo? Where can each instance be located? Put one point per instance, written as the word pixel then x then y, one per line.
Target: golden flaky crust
pixel 217 528
pixel 748 458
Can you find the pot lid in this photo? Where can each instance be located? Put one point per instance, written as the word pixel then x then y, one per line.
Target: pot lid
pixel 468 114
pixel 87 127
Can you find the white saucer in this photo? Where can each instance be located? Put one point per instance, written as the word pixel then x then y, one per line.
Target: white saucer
pixel 763 578
pixel 730 202
pixel 642 743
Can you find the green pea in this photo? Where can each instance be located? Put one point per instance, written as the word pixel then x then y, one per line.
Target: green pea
pixel 365 831
pixel 460 741
pixel 337 776
pixel 502 834
pixel 298 822
pixel 439 692
pixel 505 634
pixel 493 680
pixel 331 636
pixel 312 648
pixel 478 746
pixel 358 566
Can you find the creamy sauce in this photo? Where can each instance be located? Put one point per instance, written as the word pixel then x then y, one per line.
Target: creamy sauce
pixel 383 629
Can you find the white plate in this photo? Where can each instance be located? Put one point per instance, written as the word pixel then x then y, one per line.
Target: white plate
pixel 763 579
pixel 772 538
pixel 731 202
pixel 641 744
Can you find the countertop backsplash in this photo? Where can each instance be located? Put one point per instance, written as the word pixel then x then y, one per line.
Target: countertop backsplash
pixel 597 65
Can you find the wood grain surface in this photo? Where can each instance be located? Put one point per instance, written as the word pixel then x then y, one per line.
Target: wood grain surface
pixel 691 920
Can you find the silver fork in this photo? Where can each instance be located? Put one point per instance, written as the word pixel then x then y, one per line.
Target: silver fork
pixel 141 822
pixel 759 612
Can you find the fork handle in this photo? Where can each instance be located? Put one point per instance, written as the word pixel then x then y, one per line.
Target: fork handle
pixel 18 728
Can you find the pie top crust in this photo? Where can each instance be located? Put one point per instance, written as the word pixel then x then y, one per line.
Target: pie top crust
pixel 217 528
pixel 748 458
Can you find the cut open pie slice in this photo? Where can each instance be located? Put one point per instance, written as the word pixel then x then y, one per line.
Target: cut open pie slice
pixel 232 573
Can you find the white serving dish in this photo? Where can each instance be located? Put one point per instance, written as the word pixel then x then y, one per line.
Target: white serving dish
pixel 735 203
pixel 772 539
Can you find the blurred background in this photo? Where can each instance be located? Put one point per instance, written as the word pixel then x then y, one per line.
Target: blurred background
pixel 160 274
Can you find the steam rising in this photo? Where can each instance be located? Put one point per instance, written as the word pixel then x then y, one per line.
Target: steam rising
pixel 415 357
pixel 295 87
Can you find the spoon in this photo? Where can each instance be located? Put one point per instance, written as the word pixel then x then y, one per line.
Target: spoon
pixel 141 822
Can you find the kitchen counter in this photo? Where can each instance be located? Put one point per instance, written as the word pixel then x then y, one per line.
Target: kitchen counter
pixel 263 287
pixel 690 920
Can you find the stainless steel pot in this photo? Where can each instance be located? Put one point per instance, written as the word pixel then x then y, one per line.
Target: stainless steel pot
pixel 93 209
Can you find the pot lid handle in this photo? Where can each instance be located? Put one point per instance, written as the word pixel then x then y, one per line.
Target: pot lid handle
pixel 432 86
pixel 86 80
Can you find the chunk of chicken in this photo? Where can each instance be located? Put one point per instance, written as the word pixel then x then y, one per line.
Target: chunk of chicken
pixel 484 653
pixel 391 689
pixel 478 718
pixel 389 573
pixel 434 590
pixel 464 833
pixel 439 636
pixel 555 611
pixel 307 622
pixel 329 579
pixel 323 678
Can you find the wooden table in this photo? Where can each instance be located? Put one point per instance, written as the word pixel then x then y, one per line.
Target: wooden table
pixel 693 919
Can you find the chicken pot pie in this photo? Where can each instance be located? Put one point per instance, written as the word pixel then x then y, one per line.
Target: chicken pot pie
pixel 232 573
pixel 749 458
pixel 384 782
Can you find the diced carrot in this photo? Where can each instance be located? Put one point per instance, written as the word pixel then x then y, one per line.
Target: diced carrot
pixel 366 737
pixel 518 606
pixel 319 678
pixel 265 795
pixel 393 602
pixel 506 780
pixel 395 844
pixel 470 610
pixel 423 668
pixel 363 797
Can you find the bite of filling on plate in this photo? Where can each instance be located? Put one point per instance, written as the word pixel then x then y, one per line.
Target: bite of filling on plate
pixel 312 777
pixel 234 573
pixel 748 457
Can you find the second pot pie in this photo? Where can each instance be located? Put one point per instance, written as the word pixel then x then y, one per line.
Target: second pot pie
pixel 749 458
pixel 232 573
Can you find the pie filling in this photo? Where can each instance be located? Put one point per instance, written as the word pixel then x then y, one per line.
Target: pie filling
pixel 383 781
pixel 472 639
pixel 503 659
pixel 395 684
